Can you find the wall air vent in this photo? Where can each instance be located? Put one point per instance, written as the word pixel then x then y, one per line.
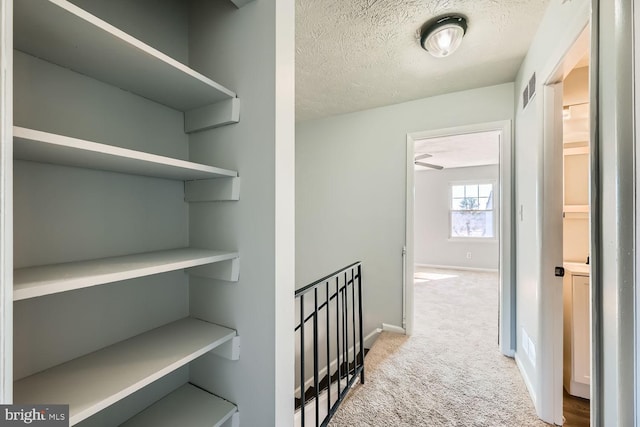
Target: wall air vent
pixel 529 91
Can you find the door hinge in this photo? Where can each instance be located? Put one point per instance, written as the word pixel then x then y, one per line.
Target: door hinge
pixel 559 272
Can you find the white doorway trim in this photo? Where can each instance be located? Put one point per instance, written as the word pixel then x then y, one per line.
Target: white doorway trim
pixel 506 328
pixel 6 205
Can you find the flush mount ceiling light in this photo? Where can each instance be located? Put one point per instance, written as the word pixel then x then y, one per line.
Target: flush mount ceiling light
pixel 442 36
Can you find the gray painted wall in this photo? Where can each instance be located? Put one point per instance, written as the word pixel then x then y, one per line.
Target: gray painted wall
pixel 242 48
pixel 93 110
pixel 562 24
pixel 350 189
pixel 431 220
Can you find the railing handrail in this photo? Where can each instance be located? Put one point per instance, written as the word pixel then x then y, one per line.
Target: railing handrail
pixel 315 284
pixel 335 295
pixel 348 368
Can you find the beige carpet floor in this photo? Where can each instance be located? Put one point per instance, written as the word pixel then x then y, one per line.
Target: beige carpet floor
pixel 450 372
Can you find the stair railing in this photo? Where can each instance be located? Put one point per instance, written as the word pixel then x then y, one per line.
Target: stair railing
pixel 332 314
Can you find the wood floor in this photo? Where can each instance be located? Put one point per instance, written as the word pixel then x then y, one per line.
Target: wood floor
pixel 576 411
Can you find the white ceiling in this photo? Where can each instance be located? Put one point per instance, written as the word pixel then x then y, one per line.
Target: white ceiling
pixel 353 55
pixel 460 151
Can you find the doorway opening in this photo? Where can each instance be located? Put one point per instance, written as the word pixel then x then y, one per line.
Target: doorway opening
pixel 565 336
pixel 459 212
pixel 576 246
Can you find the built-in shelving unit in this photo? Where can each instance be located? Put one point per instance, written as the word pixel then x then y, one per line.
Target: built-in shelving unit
pixel 46 147
pixel 188 405
pixel 93 382
pixel 61 33
pixel 66 35
pixel 38 281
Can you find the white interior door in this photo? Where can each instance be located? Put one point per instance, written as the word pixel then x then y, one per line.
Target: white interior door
pixel 551 329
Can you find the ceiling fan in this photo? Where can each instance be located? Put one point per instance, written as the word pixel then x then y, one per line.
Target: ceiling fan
pixel 419 157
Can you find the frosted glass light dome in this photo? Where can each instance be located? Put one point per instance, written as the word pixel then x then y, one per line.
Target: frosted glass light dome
pixel 444 36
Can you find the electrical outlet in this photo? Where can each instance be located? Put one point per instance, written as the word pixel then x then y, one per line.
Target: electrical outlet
pixel 468 255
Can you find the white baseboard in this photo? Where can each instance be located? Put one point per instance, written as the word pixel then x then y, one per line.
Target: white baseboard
pixel 393 328
pixel 457 267
pixel 371 338
pixel 579 389
pixel 527 381
pixel 509 353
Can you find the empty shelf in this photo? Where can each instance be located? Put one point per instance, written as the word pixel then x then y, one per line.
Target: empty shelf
pixel 30 282
pixel 44 147
pixel 187 406
pixel 62 33
pixel 93 382
pixel 576 208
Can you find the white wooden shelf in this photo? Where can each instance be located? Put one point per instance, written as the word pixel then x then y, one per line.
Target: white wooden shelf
pixel 576 208
pixel 187 406
pixel 93 382
pixel 44 147
pixel 576 151
pixel 576 215
pixel 30 282
pixel 576 137
pixel 66 35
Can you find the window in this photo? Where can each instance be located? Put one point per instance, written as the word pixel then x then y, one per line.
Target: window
pixel 472 213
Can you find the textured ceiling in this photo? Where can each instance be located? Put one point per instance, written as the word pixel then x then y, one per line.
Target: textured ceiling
pixel 460 151
pixel 353 55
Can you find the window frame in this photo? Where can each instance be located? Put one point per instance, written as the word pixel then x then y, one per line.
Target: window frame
pixel 494 210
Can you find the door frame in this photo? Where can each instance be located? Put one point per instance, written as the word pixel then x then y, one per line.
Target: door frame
pixel 507 304
pixel 6 202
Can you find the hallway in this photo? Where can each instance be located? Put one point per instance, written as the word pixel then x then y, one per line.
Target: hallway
pixel 450 372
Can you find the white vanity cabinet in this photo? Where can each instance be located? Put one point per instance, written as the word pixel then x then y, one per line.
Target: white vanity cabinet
pixel 577 343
